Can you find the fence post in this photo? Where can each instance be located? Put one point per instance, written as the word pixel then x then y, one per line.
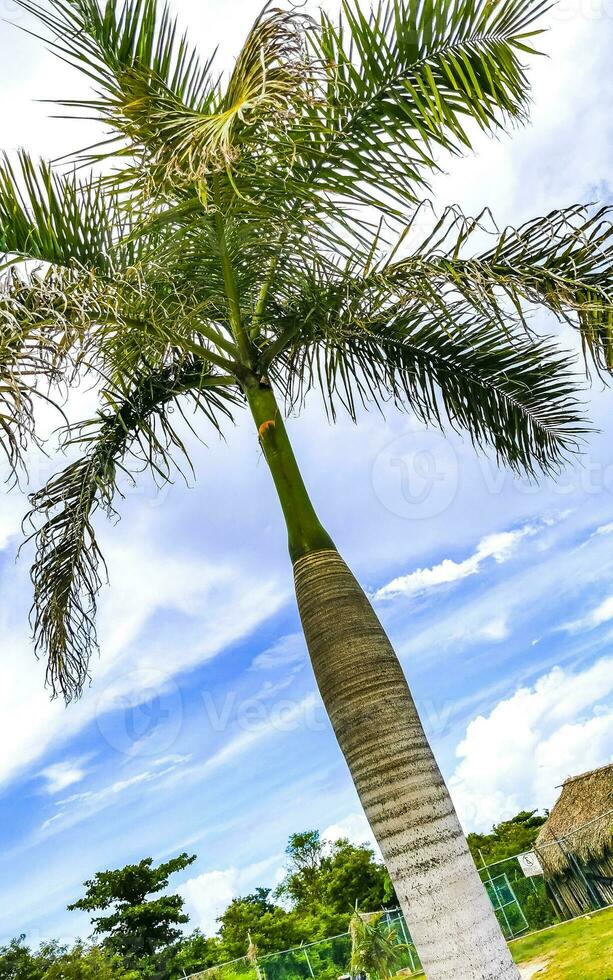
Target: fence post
pixel 403 927
pixel 306 956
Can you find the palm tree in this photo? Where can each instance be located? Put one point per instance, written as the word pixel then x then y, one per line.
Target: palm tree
pixel 239 241
pixel 375 949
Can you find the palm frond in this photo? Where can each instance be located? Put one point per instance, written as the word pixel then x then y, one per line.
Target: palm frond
pixel 66 573
pixel 264 87
pixel 447 361
pixel 562 262
pixel 406 77
pixel 164 105
pixel 52 218
pixel 375 949
pixel 31 358
pixel 269 201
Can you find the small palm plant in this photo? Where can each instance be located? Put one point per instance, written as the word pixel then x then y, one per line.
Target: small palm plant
pixel 375 950
pixel 242 240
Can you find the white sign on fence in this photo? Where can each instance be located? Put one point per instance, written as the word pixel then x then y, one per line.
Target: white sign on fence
pixel 529 863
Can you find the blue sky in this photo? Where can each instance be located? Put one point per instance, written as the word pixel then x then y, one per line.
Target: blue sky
pixel 202 729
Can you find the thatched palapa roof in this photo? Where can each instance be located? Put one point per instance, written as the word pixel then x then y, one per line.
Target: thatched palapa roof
pixel 581 822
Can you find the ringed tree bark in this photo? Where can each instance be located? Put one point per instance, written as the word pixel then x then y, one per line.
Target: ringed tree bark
pixel 378 728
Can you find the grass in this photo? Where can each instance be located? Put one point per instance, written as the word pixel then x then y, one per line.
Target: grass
pixel 577 950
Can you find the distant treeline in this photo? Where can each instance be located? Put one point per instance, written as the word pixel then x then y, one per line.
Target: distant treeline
pixel 139 929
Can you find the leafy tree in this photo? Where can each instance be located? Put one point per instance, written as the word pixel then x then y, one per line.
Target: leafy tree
pixel 56 962
pixel 82 963
pixel 353 875
pixel 255 237
pixel 508 838
pixel 17 962
pixel 136 926
pixel 188 955
pixel 305 854
pixel 271 927
pixel 324 883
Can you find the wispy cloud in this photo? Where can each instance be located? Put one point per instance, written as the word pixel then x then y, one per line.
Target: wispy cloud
pixel 496 547
pixel 61 775
pixel 287 650
pixel 604 529
pixel 284 718
pixel 79 806
pixel 602 613
pixel 496 629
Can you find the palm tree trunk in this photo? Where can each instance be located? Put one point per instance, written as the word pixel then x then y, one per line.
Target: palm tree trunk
pixel 406 801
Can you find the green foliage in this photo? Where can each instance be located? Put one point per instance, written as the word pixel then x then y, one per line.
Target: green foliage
pixel 408 77
pixel 189 955
pixel 54 962
pixel 536 905
pixel 81 963
pixel 271 927
pixel 321 886
pixel 305 854
pixel 323 883
pixel 375 950
pixel 507 838
pixel 136 926
pixel 260 228
pixel 18 963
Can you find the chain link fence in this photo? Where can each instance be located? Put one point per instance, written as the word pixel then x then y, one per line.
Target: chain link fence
pixel 326 959
pixel 560 879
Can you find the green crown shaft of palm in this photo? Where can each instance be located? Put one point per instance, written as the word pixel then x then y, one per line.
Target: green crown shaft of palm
pixel 268 228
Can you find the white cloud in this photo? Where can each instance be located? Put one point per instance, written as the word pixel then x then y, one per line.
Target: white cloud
pixel 603 613
pixel 604 529
pixel 355 828
pixel 61 775
pixel 208 894
pixel 537 594
pixel 496 630
pixel 287 650
pixel 498 547
pixel 515 757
